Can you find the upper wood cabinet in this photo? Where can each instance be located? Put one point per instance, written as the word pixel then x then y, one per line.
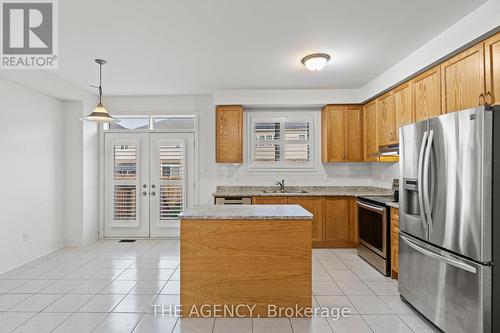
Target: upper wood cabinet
pixel 403 106
pixel 370 131
pixel 427 94
pixel 386 119
pixel 492 66
pixel 315 206
pixel 229 134
pixel 462 80
pixel 332 133
pixel 354 133
pixel 341 133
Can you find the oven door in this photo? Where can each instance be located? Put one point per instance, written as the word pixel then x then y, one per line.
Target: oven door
pixel 372 227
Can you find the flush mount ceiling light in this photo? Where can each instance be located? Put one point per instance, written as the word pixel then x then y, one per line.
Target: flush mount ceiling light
pixel 316 61
pixel 100 114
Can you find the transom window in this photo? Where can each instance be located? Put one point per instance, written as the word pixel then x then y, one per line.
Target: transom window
pixel 168 122
pixel 285 141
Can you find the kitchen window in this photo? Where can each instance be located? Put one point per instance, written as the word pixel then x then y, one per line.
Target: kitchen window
pixel 281 142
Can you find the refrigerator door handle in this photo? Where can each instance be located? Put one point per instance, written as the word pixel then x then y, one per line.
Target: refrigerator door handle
pixel 425 181
pixel 453 262
pixel 419 178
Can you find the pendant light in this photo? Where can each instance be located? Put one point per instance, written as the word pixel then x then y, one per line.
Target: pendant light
pixel 100 114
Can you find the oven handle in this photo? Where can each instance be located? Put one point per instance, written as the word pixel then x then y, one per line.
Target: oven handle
pixel 439 257
pixel 370 207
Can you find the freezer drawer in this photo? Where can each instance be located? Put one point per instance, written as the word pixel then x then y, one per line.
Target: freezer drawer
pixel 453 293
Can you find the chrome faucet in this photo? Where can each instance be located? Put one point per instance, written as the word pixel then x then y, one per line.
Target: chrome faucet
pixel 281 185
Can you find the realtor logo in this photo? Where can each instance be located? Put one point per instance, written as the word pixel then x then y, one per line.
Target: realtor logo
pixel 29 34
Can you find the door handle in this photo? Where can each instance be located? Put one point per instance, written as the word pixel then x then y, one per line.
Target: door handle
pixel 489 100
pixel 453 262
pixel 419 178
pixel 144 193
pixel 425 185
pixel 481 97
pixel 153 193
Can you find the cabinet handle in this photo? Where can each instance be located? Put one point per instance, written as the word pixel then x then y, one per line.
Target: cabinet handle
pixel 489 100
pixel 481 97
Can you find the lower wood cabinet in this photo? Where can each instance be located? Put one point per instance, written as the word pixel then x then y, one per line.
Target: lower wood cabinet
pixel 314 205
pixel 269 200
pixel 394 242
pixel 340 223
pixel 335 222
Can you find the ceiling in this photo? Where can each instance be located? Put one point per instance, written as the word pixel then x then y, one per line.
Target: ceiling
pixel 197 47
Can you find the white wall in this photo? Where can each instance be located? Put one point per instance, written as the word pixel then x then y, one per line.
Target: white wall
pixel 32 174
pixel 212 174
pixel 479 22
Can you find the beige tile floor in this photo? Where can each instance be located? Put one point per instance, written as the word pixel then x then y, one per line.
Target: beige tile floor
pixel 109 286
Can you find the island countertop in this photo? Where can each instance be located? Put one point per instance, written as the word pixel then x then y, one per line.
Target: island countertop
pixel 341 191
pixel 246 212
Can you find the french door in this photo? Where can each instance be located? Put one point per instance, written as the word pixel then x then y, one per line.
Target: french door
pixel 149 180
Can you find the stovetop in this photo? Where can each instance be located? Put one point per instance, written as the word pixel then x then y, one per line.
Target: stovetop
pixel 378 200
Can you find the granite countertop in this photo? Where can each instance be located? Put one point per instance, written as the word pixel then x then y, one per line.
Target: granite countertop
pixel 246 212
pixel 393 204
pixel 341 191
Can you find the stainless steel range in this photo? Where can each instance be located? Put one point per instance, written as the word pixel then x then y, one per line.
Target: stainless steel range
pixel 449 202
pixel 374 232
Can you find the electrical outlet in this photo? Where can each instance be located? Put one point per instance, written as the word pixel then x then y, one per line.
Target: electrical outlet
pixel 25 236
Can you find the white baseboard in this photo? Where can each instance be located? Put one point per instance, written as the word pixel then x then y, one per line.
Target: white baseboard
pixel 27 259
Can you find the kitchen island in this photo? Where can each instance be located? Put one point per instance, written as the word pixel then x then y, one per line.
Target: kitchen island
pixel 246 261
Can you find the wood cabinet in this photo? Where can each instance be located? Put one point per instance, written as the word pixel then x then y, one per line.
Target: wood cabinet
pixel 370 131
pixel 386 120
pixel 492 69
pixel 394 242
pixel 332 134
pixel 271 200
pixel 341 133
pixel 403 106
pixel 229 134
pixel 427 94
pixel 354 133
pixel 340 225
pixel 462 80
pixel 335 222
pixel 314 205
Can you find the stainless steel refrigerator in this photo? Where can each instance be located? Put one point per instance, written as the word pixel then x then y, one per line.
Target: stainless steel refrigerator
pixel 450 219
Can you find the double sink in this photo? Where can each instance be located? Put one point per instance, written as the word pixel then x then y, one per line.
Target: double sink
pixel 285 191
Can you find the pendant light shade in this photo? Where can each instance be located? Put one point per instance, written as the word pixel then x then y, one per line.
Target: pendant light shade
pixel 100 114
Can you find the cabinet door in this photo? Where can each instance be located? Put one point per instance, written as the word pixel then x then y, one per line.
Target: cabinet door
pixel 337 133
pixel 492 65
pixel 229 134
pixel 269 200
pixel 315 206
pixel 337 224
pixel 462 80
pixel 370 131
pixel 386 120
pixel 354 133
pixel 403 107
pixel 426 93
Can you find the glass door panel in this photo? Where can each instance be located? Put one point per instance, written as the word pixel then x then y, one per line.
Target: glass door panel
pixel 126 168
